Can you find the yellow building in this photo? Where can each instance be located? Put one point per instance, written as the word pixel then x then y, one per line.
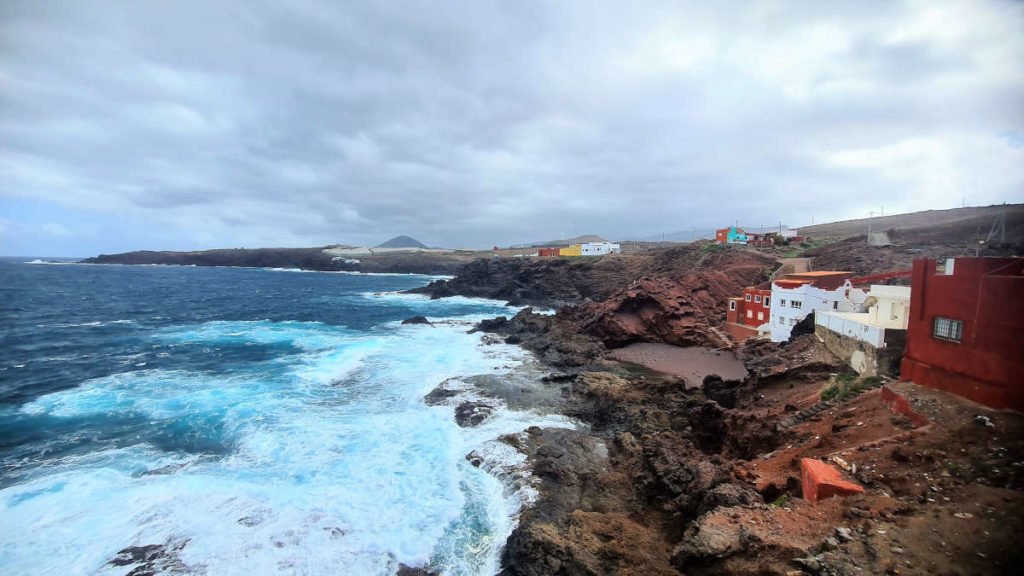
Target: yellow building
pixel 574 250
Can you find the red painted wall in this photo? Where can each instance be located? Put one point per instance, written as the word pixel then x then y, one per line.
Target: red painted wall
pixel 754 307
pixel 547 252
pixel 722 236
pixel 987 365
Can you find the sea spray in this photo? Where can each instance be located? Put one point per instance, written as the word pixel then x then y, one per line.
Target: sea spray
pixel 259 435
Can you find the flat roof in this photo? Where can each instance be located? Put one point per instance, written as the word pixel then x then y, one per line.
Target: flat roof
pixel 820 273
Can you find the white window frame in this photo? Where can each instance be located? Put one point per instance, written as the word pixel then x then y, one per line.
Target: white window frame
pixel 757 298
pixel 760 316
pixel 767 301
pixel 732 305
pixel 782 303
pixel 746 297
pixel 796 304
pixel 948 329
pixel 750 314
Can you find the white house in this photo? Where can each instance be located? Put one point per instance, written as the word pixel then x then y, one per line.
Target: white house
pixel 888 308
pixel 599 248
pixel 797 295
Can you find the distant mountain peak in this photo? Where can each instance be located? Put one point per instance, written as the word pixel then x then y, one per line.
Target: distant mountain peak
pixel 402 242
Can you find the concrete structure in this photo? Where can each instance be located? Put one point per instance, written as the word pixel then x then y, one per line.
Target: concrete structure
pixel 599 248
pixel 797 295
pixel 731 235
pixel 964 334
pixel 574 250
pixel 749 315
pixel 818 481
pixel 870 342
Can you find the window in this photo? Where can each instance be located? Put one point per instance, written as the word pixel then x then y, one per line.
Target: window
pixel 746 297
pixel 732 304
pixel 782 321
pixel 767 301
pixel 757 299
pixel 792 321
pixel 796 304
pixel 760 316
pixel 782 303
pixel 948 329
pixel 835 305
pixel 750 313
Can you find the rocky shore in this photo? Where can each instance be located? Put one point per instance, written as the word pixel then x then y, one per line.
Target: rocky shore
pixel 670 478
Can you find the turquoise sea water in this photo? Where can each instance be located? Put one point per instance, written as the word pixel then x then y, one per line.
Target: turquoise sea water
pixel 244 421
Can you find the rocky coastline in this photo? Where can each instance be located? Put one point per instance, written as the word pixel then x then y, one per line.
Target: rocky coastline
pixel 668 477
pixel 316 259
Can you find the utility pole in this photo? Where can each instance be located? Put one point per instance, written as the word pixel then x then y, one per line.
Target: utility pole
pixel 870 216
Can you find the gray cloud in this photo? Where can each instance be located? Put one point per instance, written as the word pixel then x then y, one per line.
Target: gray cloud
pixel 476 123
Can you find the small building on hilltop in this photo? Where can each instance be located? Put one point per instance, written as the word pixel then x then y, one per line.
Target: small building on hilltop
pixel 797 295
pixel 599 248
pixel 590 249
pixel 733 235
pixel 749 315
pixel 964 333
pixel 871 342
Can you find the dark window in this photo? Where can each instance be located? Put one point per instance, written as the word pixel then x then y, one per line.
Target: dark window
pixel 948 329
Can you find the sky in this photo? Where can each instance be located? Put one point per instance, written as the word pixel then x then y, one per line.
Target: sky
pixel 198 124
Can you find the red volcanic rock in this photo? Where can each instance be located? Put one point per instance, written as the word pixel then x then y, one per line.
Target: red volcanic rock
pixel 684 311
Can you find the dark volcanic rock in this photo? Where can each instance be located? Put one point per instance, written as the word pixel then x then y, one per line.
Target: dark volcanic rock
pixel 417 320
pixel 555 339
pixel 802 328
pixel 721 391
pixel 439 395
pixel 153 559
pixel 404 570
pixel 470 414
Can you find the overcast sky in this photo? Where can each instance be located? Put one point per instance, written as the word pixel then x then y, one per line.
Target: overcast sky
pixel 184 125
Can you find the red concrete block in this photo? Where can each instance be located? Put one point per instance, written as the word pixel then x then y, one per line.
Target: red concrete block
pixel 823 481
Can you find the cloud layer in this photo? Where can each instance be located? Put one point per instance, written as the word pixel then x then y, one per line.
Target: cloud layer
pixel 184 125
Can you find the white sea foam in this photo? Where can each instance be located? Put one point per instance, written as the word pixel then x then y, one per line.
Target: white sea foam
pixel 334 462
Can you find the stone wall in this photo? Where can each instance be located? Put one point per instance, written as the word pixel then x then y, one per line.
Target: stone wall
pixel 864 358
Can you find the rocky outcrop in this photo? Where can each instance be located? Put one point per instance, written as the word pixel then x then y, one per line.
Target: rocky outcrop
pixel 556 282
pixel 417 320
pixel 555 339
pixel 800 358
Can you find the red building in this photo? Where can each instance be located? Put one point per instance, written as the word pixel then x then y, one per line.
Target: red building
pixel 749 311
pixel 966 323
pixel 547 252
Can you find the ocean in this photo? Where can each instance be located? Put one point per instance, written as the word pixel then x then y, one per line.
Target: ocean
pixel 189 420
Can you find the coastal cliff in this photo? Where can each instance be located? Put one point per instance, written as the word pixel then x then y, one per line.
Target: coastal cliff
pixel 670 476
